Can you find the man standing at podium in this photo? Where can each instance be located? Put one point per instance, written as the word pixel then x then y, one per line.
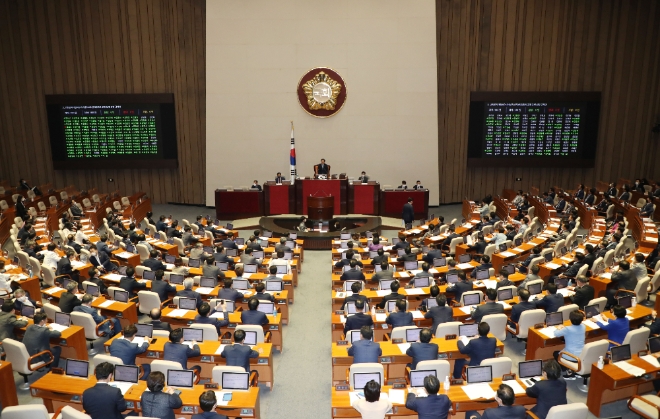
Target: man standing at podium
pixel 279 178
pixel 322 168
pixel 408 212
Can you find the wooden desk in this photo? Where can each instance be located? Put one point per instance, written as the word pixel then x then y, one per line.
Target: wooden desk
pixel 8 396
pixel 279 199
pixel 133 260
pixel 392 201
pixel 334 187
pixel 125 312
pixel 72 341
pixel 230 205
pixel 363 198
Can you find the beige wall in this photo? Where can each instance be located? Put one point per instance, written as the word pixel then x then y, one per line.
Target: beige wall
pixel 256 51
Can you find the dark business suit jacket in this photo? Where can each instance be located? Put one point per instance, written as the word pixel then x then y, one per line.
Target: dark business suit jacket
pixel 229 244
pixel 64 266
pixel 391 296
pixel 190 294
pixel 439 315
pixel 103 402
pixel 433 254
pixel 180 353
pixel 265 296
pixel 159 325
pixel 582 296
pixel 209 415
pixel 160 405
pixel 435 406
pixel 37 339
pixel 352 274
pixel 517 309
pixel 408 214
pixel 218 323
pixel 131 285
pixel 8 322
pixel 99 283
pixel 407 258
pixel 505 412
pixel 459 288
pixel 239 355
pixel 590 199
pixel 625 279
pixel 399 319
pixel 422 352
pixel 388 274
pixel 478 349
pixel 127 351
pixel 154 264
pixel 573 270
pixel 253 317
pixel 365 351
pixel 353 298
pixel 485 309
pixel 356 321
pixel 548 393
pixel 550 303
pixel 230 294
pixel 210 271
pixel 162 288
pixel 590 258
pixel 68 302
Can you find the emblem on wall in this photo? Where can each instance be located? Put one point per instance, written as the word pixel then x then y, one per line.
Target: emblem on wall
pixel 321 92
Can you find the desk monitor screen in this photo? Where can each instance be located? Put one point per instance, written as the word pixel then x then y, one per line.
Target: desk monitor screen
pixel 620 353
pixel 464 258
pixel 27 311
pixel 344 236
pixel 395 240
pixel 130 248
pixel 431 302
pixel 250 268
pixel 187 303
pixel 360 379
pixel 377 268
pixel 170 259
pixel 239 381
pixel 355 336
pixel 144 330
pixel 412 335
pixel 349 283
pixel 422 281
pixel 240 241
pixel 293 236
pixel 290 244
pixel 266 308
pixel 121 296
pixel 535 289
pixel 527 369
pixel 410 265
pixel 64 282
pixel 190 334
pixel 229 226
pixel 63 319
pixel 592 310
pixel 502 247
pixel 150 275
pixel 519 241
pixel 122 270
pixel 439 262
pixel 92 290
pixel 250 337
pixel 561 282
pixel 77 368
pixel 468 330
pixel 207 282
pixel 350 308
pixel 176 279
pixel 417 377
pixel 471 299
pixel 563 251
pixel 554 319
pixel 505 294
pixel 274 286
pixel 625 302
pixel 400 252
pixel 385 283
pixel 231 252
pixel 263 243
pixel 373 255
pixel 223 266
pixel 346 268
pixel 126 373
pixel 483 274
pixel 548 257
pixel 282 269
pixel 259 254
pixel 229 303
pixel 654 344
pixel 240 284
pixel 181 378
pixel 208 249
pixel 193 263
pixel 510 268
pixel 483 374
pixel 391 305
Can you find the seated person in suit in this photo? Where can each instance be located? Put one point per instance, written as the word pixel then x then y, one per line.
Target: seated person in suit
pixel 356 287
pixel 228 293
pixel 252 316
pixel 434 406
pixel 154 315
pixel 68 299
pixel 157 403
pixel 261 295
pixel 255 186
pixel 418 186
pixel 479 246
pixel 623 279
pixel 86 307
pixel 127 350
pixel 503 280
pixel 188 292
pixel 322 168
pixel 578 263
pixel 21 298
pixel 424 274
pixel 408 257
pixel 64 264
pixel 399 317
pixel 160 287
pixel 197 251
pixel 478 349
pixel 490 307
pixel 161 225
pixel 549 392
pixel 9 322
pixel 153 262
pixel 130 284
pixel 618 328
pixel 238 355
pixel 423 350
pixel 440 314
pixel 386 272
pixel 103 401
pixel 551 302
pixel 273 274
pixel 94 279
pixel 505 398
pixel 574 336
pixel 485 264
pixel 281 262
pixel 533 275
pixel 359 319
pixel 583 292
pixel 282 247
pixel 382 257
pixel 37 339
pixel 353 273
pixel 403 185
pixel 523 305
pixel 394 295
pixel 248 259
pixel 434 253
pixel 463 285
pixel 204 311
pixel 175 350
pixel 365 350
pixel 536 252
pixel 208 402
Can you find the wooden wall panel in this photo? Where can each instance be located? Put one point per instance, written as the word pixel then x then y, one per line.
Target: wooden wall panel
pixel 537 45
pixel 110 46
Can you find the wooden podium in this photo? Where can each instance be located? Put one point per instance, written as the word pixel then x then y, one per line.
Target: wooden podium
pixel 320 208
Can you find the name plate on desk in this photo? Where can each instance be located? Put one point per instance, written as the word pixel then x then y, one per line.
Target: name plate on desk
pixel 342 387
pixel 152 354
pixel 63 342
pixel 58 371
pixel 539 325
pixel 398 385
pixel 281 302
pixel 339 312
pixel 211 385
pixel 247 412
pixel 272 327
pixel 342 343
pixel 442 356
pixel 380 311
pixel 262 361
pixel 386 360
pixel 399 340
pixel 287 282
pixel 511 376
pixel 450 337
pixel 231 325
pixel 226 341
pixel 172 306
pixel 456 381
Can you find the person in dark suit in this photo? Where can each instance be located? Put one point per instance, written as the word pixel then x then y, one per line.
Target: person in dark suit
pixel 463 285
pixel 127 350
pixel 452 235
pixel 434 406
pixel 156 403
pixel 161 225
pixel 422 350
pixel 153 262
pixel 255 186
pixel 103 401
pixel 252 316
pixel 440 314
pixel 551 302
pixel 394 295
pixel 261 295
pixel 485 264
pixel 160 287
pixel 208 402
pixel 491 306
pixel 583 292
pixel 479 246
pixel 103 248
pixel 590 256
pixel 424 274
pixel 238 355
pixel 522 306
pixel 229 243
pixel 352 273
pixel 399 317
pixel 384 273
pixel 365 349
pixel 359 319
pixel 647 209
pixel 322 168
pixel 9 322
pixel 22 298
pixel 356 287
pixel 64 264
pixel 279 178
pixel 86 307
pixel 505 410
pixel 408 214
pixel 624 279
pixel 68 299
pixel 503 280
pixel 418 186
pixel 382 257
pixel 155 314
pixel 434 253
pixel 37 339
pixel 188 292
pixel 130 284
pixel 625 196
pixel 408 256
pixel 102 263
pixel 575 267
pixel 228 293
pixel 590 199
pixel 94 279
pixel 21 210
pixel 478 349
pixel 204 311
pixel 548 392
pixel 175 350
pixel 536 252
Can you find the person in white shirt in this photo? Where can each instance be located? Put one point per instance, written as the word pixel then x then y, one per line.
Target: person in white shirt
pixel 50 257
pixel 519 198
pixel 280 261
pixel 375 404
pixel 68 229
pixel 4 280
pixel 523 226
pixel 81 237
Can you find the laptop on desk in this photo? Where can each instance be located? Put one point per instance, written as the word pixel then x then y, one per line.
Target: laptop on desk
pixel 120 296
pixel 191 333
pixel 482 274
pixel 144 330
pixel 410 265
pixel 181 378
pixel 360 379
pixel 554 319
pixel 481 374
pixel 235 381
pixel 77 368
pixel 468 330
pixel 176 279
pixel 530 372
pixel 277 286
pixel 187 303
pixel 150 275
pixel 412 335
pixel 504 294
pixel 92 290
pixel 620 353
pixel 207 282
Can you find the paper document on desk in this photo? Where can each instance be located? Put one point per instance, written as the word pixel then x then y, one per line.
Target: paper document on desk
pixel 606 275
pixel 630 369
pixel 217 315
pixel 507 254
pixel 397 396
pixel 112 277
pixel 121 385
pixel 415 271
pixel 125 255
pixel 490 283
pixel 382 293
pixel 342 318
pixel 464 339
pixel 77 264
pixel 464 266
pixel 404 274
pixel 565 292
pixel 58 327
pixel 591 324
pixel 414 291
pixel 403 347
pixel 53 290
pixel 548 331
pixel 381 317
pixel 220 349
pixel 651 239
pixel 220 395
pixel 651 360
pixel 138 339
pixel 204 290
pixel 504 304
pixel 247 276
pixel 417 315
pixel 107 303
pixel 551 265
pixel 518 249
pixel 179 312
pixel 466 309
pixel 415 231
pixel 433 271
pixel 479 391
pixel 517 388
pixel 169 266
pixel 341 294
